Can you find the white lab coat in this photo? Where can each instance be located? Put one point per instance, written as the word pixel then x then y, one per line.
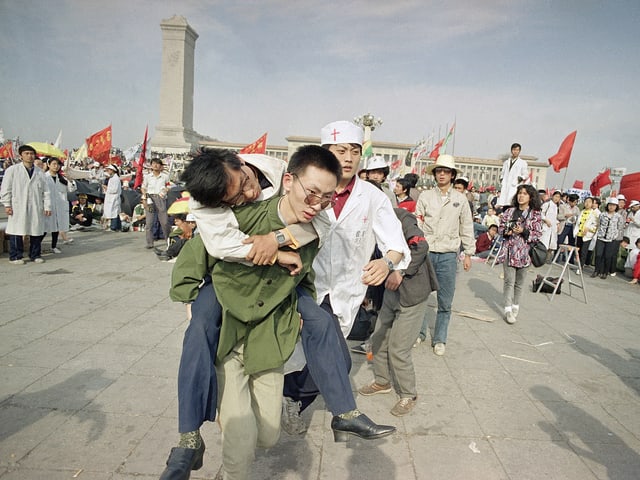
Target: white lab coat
pixel 28 197
pixel 510 180
pixel 59 219
pixel 550 232
pixel 219 228
pixel 112 197
pixel 366 219
pixel 633 229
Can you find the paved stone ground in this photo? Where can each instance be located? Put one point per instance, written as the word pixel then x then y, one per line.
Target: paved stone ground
pixel 89 349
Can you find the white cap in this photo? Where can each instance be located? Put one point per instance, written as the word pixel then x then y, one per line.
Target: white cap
pixel 634 203
pixel 622 197
pixel 612 201
pixel 376 163
pixel 341 131
pixel 190 217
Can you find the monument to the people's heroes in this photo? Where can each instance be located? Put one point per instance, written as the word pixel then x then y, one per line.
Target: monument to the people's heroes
pixel 174 133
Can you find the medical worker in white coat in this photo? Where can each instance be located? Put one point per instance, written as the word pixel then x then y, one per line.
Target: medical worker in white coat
pixel 27 201
pixel 361 217
pixel 112 198
pixel 514 172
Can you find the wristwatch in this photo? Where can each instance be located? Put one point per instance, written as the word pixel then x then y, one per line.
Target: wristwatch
pixel 280 237
pixel 389 263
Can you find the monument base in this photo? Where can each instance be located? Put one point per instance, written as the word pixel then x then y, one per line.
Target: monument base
pixel 174 140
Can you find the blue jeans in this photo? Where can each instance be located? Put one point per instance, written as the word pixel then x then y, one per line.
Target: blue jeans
pixel 116 224
pixel 16 246
pixel 445 265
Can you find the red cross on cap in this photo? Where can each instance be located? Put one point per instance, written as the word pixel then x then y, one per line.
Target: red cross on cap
pixel 335 133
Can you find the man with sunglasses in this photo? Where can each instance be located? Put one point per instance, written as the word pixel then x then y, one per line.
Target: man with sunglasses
pixel 216 181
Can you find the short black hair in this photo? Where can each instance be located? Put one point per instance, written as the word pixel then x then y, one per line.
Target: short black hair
pixel 405 183
pixel 206 176
pixel 535 203
pixel 26 148
pixel 461 181
pixel 314 156
pixel 492 225
pixel 573 197
pixel 516 145
pixel 157 160
pixel 626 239
pixel 413 179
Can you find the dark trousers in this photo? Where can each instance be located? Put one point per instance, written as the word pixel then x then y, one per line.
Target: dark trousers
pixel 16 246
pixel 328 360
pixel 605 256
pixel 116 223
pixel 566 234
pixel 157 211
pixel 325 349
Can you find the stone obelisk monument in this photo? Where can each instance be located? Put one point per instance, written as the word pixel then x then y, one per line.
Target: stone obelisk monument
pixel 174 133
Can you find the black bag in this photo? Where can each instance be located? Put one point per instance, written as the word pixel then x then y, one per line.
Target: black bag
pixel 538 254
pixel 363 325
pixel 546 288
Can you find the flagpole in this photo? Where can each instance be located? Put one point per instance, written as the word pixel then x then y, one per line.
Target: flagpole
pixel 453 146
pixel 564 178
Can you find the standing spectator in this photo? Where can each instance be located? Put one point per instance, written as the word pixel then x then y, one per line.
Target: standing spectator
pixel 413 178
pixel 112 192
pixel 632 267
pixel 622 223
pixel 402 190
pixel 605 245
pixel 445 217
pixel 549 213
pixel 514 172
pixel 58 222
pixel 377 171
pixel 154 194
pixel 568 213
pixel 585 229
pixel 27 202
pixel 632 230
pixel 521 227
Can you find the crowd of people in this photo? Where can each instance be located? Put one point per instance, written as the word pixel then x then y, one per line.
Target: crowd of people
pixel 304 245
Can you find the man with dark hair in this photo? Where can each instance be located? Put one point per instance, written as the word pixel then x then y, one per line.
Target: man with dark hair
pixel 82 213
pixel 514 172
pixel 485 240
pixel 27 201
pixel 154 196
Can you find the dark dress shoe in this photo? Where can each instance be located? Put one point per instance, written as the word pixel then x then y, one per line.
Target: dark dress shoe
pixel 603 276
pixel 181 461
pixel 361 426
pixel 594 274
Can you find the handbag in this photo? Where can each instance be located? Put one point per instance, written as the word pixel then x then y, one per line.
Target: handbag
pixel 538 254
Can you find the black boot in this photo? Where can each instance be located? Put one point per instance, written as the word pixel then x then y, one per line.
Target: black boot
pixel 181 461
pixel 360 426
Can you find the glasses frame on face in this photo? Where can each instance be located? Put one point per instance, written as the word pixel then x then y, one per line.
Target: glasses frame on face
pixel 233 202
pixel 438 170
pixel 313 199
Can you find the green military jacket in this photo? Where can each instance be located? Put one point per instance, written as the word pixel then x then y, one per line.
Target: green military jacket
pixel 259 303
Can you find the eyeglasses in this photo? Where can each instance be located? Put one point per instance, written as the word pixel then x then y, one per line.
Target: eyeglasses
pixel 235 200
pixel 312 199
pixel 442 170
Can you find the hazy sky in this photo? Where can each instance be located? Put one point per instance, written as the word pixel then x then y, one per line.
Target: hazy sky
pixel 506 70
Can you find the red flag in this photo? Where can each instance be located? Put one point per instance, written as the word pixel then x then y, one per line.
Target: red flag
pixel 141 160
pixel 6 151
pixel 578 184
pixel 600 181
pixel 99 145
pixel 561 159
pixel 435 153
pixel 259 146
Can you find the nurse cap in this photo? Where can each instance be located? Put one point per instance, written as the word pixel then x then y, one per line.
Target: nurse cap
pixel 341 131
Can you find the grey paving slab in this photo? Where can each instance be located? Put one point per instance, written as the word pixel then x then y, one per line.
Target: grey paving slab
pixel 89 382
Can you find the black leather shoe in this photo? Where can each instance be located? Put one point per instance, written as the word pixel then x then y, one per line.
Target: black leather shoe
pixel 361 426
pixel 181 461
pixel 594 274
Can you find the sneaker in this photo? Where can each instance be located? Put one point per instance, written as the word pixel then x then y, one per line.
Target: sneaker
pixel 361 349
pixel 38 260
pixel 510 317
pixel 418 341
pixel 56 250
pixel 291 421
pixel 374 389
pixel 438 349
pixel 515 309
pixel 404 406
pixel 17 261
pixel 613 274
pixel 68 242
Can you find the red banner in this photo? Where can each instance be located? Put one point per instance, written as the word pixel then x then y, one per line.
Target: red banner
pixel 600 181
pixel 578 184
pixel 6 151
pixel 141 160
pixel 561 159
pixel 99 145
pixel 259 146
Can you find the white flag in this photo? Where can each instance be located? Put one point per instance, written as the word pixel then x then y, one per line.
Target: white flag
pixel 58 140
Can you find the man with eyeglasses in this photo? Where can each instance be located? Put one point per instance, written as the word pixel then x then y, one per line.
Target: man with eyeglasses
pixel 444 216
pixel 218 180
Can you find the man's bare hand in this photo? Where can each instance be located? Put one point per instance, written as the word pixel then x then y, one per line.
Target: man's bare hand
pixel 291 261
pixel 263 248
pixel 466 263
pixel 47 213
pixel 375 272
pixel 393 280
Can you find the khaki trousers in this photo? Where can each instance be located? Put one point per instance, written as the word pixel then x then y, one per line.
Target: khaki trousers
pixel 250 407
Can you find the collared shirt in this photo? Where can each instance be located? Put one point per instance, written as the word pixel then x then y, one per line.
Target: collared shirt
pixel 342 197
pixel 155 185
